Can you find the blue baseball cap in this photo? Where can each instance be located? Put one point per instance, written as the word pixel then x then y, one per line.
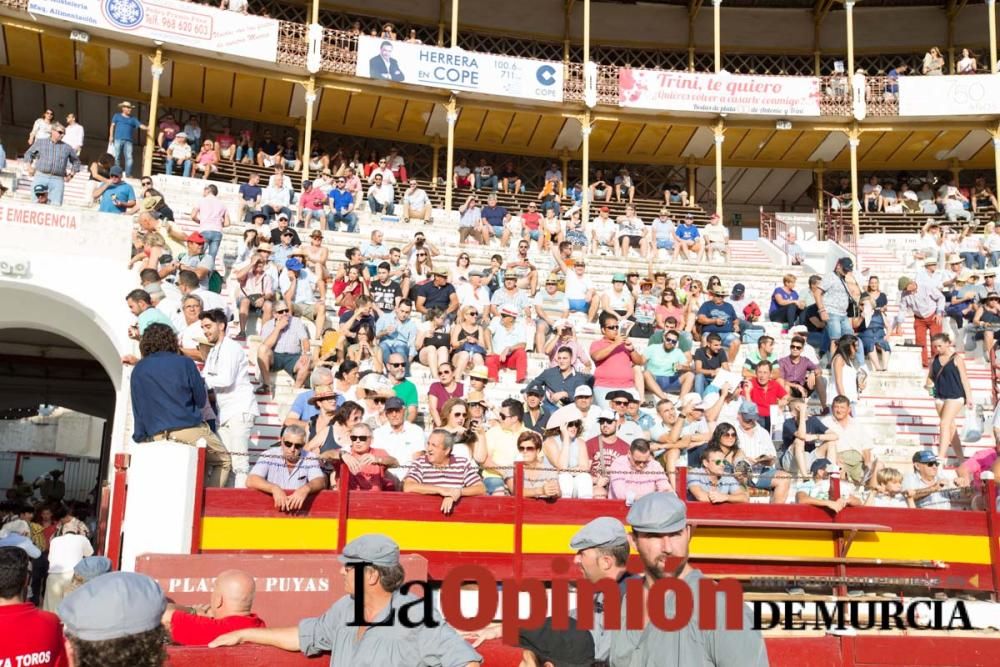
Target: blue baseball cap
pixel 925 456
pixel 294 264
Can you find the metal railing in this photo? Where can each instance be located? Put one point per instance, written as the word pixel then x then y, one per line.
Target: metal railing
pixel 339 56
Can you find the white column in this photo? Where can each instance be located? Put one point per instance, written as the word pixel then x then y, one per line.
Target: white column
pixel 719 138
pixel 716 30
pixel 449 177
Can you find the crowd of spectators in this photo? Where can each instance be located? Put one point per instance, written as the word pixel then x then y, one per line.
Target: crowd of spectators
pixel 907 194
pixel 659 390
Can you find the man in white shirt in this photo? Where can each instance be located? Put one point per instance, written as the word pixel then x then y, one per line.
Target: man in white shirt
pixel 603 232
pixel 401 439
pixel 226 372
pixel 716 238
pixel 65 551
pixel 74 133
pixel 388 178
pixel 473 293
pixel 381 195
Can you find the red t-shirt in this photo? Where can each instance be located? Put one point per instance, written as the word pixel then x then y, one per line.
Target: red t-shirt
pixel 372 477
pixel 531 220
pixel 764 396
pixel 611 452
pixel 225 140
pixel 193 630
pixel 30 636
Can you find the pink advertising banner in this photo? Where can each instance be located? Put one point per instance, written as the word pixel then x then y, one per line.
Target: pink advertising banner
pixel 783 96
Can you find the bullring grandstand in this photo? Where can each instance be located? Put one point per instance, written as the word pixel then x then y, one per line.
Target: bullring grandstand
pixel 281 277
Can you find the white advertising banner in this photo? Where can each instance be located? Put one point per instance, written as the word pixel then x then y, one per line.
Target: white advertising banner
pixel 719 93
pixel 958 95
pixel 457 69
pixel 172 22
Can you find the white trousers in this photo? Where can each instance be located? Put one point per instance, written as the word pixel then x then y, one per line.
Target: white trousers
pixel 235 435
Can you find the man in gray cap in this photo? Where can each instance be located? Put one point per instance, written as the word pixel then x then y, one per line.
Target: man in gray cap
pixel 114 621
pixel 661 535
pixel 602 553
pixel 385 641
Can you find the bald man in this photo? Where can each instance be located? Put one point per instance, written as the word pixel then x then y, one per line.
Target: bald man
pixel 229 609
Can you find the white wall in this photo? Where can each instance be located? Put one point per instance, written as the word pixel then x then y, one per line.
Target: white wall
pixel 63 432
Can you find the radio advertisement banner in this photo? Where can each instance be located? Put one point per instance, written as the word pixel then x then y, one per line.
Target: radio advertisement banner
pixel 958 95
pixel 719 93
pixel 172 22
pixel 459 70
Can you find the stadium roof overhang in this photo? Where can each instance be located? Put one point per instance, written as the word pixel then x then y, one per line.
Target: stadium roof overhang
pixel 369 109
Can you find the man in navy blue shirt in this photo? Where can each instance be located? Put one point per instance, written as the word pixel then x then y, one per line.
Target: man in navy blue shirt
pixel 497 217
pixel 718 316
pixel 168 395
pixel 250 193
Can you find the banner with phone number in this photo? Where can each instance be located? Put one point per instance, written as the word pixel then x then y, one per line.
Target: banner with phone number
pixel 173 22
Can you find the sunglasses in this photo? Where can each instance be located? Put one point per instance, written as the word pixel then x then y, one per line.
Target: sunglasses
pixel 527 449
pixel 473 313
pixel 672 341
pixel 458 414
pixel 296 445
pixel 574 424
pixel 796 347
pixel 359 438
pixel 602 422
pixel 507 416
pixel 396 365
pixel 421 254
pixel 442 371
pixel 718 462
pixel 932 464
pixel 729 434
pixel 619 402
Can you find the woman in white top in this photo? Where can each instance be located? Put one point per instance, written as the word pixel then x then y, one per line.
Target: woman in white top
pixel 566 451
pixel 968 64
pixel 42 129
pixel 420 270
pixel 461 269
pixel 246 247
pixel 366 353
pixel 345 380
pixel 845 380
pixel 695 300
pixel 933 62
pixel 617 299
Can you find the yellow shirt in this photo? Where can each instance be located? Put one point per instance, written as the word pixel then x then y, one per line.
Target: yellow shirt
pixel 501 445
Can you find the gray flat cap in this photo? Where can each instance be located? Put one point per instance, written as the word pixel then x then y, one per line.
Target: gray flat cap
pixel 374 549
pixel 117 604
pixel 92 566
pixel 658 513
pixel 601 532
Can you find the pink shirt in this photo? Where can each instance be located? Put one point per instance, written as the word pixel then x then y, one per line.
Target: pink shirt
pixel 978 462
pixel 625 480
pixel 313 200
pixel 211 213
pixel 615 370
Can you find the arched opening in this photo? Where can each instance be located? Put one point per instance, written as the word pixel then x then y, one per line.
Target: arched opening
pixel 60 381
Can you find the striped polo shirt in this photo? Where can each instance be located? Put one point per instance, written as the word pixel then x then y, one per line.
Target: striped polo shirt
pixel 457 474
